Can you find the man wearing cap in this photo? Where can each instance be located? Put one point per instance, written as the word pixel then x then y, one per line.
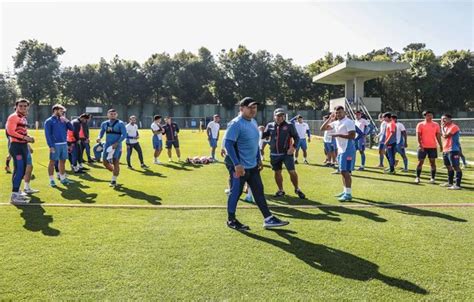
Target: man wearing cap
pixel 115 133
pixel 344 132
pixel 55 130
pixel 244 164
pixel 213 134
pixel 303 130
pixel 283 141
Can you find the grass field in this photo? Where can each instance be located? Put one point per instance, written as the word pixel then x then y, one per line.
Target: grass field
pixel 385 251
pixel 467 144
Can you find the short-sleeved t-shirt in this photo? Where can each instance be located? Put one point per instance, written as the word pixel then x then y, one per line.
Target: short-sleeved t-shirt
pixel 246 135
pixel 451 143
pixel 343 127
pixel 214 129
pixel 327 138
pixel 400 129
pixel 132 133
pixel 302 129
pixel 156 127
pixel 391 133
pixel 428 131
pixel 361 124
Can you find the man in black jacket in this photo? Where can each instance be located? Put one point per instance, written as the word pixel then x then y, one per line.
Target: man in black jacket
pixel 283 141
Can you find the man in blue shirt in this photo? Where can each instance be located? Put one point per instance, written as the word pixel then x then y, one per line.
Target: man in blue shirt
pixel 55 130
pixel 115 132
pixel 244 163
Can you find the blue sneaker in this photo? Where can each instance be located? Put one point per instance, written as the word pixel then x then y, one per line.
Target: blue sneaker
pixel 66 182
pixel 345 197
pixel 52 184
pixel 339 195
pixel 248 199
pixel 274 222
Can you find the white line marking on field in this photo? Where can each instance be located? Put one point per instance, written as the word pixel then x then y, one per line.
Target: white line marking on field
pixel 202 207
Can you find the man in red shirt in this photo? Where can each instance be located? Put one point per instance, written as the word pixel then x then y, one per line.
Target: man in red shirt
pixel 16 128
pixel 428 135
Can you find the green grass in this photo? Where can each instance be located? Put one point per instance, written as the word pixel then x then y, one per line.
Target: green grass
pixel 376 253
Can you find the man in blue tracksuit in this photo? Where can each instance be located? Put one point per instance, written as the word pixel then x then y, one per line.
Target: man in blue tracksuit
pixel 115 133
pixel 244 163
pixel 55 130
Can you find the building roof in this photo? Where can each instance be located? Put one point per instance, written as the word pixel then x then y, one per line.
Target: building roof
pixel 366 70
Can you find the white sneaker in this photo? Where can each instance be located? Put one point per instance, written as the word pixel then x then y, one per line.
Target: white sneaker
pixel 454 187
pixel 417 180
pixel 30 191
pixel 432 181
pixel 157 162
pixel 17 199
pixel 227 191
pixel 23 193
pixel 446 185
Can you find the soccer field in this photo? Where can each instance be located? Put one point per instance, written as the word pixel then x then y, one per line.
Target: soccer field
pixel 467 144
pixel 391 243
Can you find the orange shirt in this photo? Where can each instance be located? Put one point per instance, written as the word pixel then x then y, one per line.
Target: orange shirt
pixel 17 128
pixel 428 132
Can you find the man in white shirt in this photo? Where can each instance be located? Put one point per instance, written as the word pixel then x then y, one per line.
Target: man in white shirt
pixel 381 137
pixel 402 144
pixel 330 146
pixel 361 131
pixel 303 130
pixel 132 142
pixel 344 132
pixel 213 134
pixel 157 139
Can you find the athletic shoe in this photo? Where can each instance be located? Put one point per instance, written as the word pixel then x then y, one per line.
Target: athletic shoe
pixel 90 161
pixel 66 182
pixel 248 199
pixel 23 194
pixel 84 168
pixel 8 170
pixel 417 180
pixel 336 172
pixel 380 166
pixel 306 162
pixel 361 168
pixel 446 185
pixel 432 181
pixel 30 191
pixel 296 161
pixel 157 162
pixel 389 172
pixel 280 194
pixel 345 197
pixel 300 194
pixel 328 165
pixel 17 199
pixel 130 167
pixel 340 194
pixel 454 187
pixel 236 225
pixel 113 184
pixel 274 222
pixel 79 171
pixel 227 192
pixel 52 184
pixel 404 170
pixel 144 166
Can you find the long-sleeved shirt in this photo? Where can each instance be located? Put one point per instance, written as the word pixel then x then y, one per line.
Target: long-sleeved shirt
pixel 115 130
pixel 55 130
pixel 16 128
pixel 281 137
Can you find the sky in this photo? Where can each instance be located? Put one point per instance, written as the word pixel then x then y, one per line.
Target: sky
pixel 301 30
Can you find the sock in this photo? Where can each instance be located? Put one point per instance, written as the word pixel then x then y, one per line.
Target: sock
pixel 458 178
pixel 27 185
pixel 433 173
pixel 62 177
pixel 51 177
pixel 363 159
pixel 380 159
pixel 405 163
pixel 418 172
pixel 349 191
pixel 231 216
pixel 304 158
pixel 114 178
pixel 344 189
pixel 450 177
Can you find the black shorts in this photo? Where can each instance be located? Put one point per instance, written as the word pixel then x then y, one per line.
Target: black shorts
pixel 170 144
pixel 278 160
pixel 430 152
pixel 451 159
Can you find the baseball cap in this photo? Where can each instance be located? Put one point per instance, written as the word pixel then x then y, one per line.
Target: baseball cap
pixel 58 106
pixel 248 101
pixel 279 111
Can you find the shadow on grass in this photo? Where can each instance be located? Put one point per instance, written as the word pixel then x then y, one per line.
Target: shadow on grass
pixel 177 167
pixel 386 179
pixel 334 261
pixel 330 213
pixel 36 220
pixel 74 192
pixel 155 200
pixel 148 172
pixel 408 210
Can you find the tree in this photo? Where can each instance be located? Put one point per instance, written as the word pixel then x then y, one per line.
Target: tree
pixel 158 70
pixel 37 69
pixel 79 84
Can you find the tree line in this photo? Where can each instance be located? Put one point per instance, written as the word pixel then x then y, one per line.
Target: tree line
pixel 441 83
